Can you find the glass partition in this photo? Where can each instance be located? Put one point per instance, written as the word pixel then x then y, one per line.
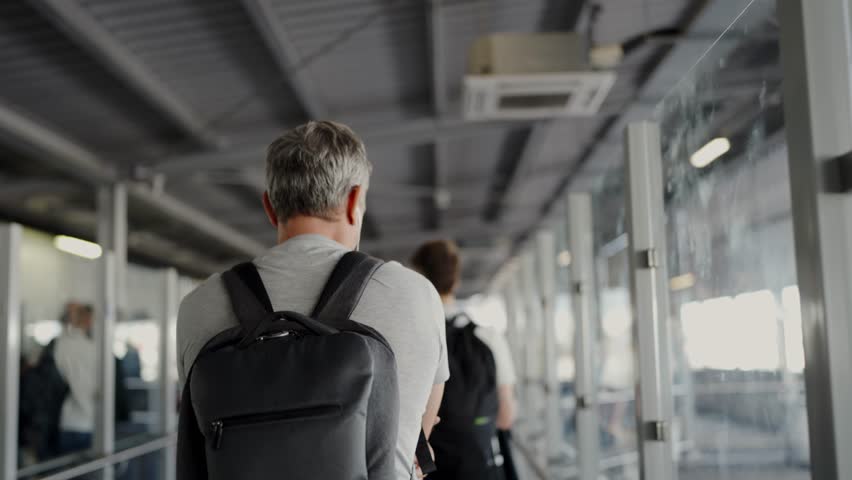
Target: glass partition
pixel 565 325
pixel 738 350
pixel 57 408
pixel 137 346
pixel 59 291
pixel 615 340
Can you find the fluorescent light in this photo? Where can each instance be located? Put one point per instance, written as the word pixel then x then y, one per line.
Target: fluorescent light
pixel 564 258
pixel 78 247
pixel 709 153
pixel 682 282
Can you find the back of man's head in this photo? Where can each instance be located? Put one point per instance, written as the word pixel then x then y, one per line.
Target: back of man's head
pixel 312 168
pixel 439 262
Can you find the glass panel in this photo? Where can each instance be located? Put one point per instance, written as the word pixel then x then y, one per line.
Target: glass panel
pixel 565 364
pixel 58 357
pixel 137 347
pixel 146 467
pixel 615 342
pixel 738 351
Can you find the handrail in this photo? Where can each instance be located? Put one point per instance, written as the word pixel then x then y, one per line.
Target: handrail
pixel 108 460
pixel 539 471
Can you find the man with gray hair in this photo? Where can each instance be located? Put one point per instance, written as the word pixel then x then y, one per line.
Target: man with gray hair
pixel 317 180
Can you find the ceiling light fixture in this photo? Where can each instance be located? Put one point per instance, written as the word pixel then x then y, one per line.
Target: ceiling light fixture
pixel 709 153
pixel 76 246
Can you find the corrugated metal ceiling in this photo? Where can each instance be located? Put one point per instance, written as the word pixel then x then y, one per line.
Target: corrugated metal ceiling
pixel 368 61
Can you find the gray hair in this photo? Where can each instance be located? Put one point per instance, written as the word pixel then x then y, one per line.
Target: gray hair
pixel 312 168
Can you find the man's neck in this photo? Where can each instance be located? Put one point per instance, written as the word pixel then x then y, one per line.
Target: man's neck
pixel 448 299
pixel 304 225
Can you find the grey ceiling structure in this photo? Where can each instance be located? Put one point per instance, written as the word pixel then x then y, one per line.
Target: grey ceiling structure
pixel 181 97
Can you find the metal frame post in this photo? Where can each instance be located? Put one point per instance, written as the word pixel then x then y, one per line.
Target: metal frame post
pixel 546 259
pixel 112 235
pixel 533 387
pixel 816 55
pixel 510 294
pixel 168 360
pixel 649 292
pixel 10 347
pixel 582 270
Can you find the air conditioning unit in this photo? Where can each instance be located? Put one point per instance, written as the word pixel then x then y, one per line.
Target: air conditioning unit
pixel 520 76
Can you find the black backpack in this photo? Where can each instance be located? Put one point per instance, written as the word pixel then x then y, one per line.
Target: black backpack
pixel 43 392
pixel 463 439
pixel 286 395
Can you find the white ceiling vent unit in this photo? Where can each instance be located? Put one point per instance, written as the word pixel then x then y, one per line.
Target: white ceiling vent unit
pixel 515 76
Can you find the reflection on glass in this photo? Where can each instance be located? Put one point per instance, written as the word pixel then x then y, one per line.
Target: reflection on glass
pixel 615 343
pixel 564 329
pixel 137 346
pixel 146 467
pixel 738 352
pixel 57 405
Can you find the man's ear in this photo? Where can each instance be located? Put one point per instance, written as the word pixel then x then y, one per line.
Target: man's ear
pixel 270 211
pixel 353 204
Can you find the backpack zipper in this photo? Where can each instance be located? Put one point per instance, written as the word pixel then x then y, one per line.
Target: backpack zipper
pixel 307 413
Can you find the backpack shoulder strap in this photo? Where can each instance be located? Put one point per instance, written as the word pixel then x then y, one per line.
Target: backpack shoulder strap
pixel 339 299
pixel 345 287
pixel 249 298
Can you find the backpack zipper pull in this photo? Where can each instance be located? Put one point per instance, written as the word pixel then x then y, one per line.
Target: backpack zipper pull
pixel 218 430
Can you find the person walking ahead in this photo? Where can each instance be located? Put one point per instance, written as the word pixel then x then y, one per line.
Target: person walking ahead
pixel 479 398
pixel 317 180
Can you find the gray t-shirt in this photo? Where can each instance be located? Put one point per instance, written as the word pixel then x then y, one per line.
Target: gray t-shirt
pixel 401 304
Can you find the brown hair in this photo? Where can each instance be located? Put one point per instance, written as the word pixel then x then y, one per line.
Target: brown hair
pixel 439 261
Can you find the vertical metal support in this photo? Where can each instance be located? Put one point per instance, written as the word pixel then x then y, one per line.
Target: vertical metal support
pixel 581 246
pixel 510 294
pixel 649 291
pixel 10 347
pixel 112 235
pixel 816 54
pixel 533 359
pixel 168 362
pixel 546 259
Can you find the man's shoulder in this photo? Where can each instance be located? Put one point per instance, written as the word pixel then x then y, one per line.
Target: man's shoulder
pixel 200 296
pixel 399 279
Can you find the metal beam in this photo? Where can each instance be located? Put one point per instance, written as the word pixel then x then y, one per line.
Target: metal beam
pixel 112 288
pixel 53 149
pixel 649 282
pixel 816 45
pixel 441 199
pixel 252 152
pixel 10 347
pixel 583 289
pixel 197 219
pixel 522 168
pixel 88 32
pixel 168 372
pixel 285 53
pixel 437 37
pixel 545 243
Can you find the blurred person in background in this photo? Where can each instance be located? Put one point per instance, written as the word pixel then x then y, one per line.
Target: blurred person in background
pixel 43 391
pixel 479 397
pixel 76 354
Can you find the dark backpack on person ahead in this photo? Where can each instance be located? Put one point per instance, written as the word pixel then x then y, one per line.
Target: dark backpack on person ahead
pixel 463 439
pixel 286 395
pixel 42 393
